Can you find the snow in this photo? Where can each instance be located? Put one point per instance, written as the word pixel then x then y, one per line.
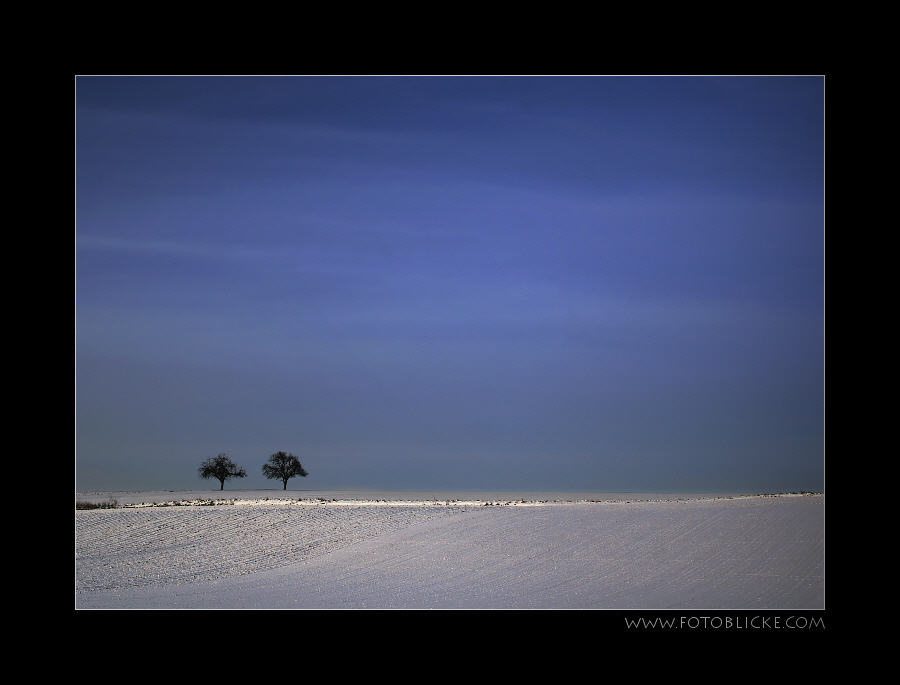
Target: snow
pixel 346 550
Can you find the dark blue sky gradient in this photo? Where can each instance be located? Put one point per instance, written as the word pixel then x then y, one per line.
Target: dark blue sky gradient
pixel 547 283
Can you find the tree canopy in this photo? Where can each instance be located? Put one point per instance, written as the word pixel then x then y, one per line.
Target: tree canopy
pixel 221 468
pixel 283 466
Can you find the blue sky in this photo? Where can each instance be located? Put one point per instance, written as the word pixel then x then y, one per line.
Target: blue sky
pixel 486 283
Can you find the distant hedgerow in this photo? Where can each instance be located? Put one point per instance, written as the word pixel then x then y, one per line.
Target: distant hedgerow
pixel 111 504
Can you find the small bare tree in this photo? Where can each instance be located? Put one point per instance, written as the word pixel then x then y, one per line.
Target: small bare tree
pixel 220 468
pixel 283 466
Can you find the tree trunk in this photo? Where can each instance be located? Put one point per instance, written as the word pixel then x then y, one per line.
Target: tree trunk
pixel 222 487
pixel 285 483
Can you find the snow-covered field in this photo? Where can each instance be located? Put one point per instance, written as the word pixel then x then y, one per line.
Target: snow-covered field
pixel 344 550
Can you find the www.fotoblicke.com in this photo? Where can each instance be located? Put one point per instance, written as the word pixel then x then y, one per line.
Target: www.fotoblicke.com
pixel 792 622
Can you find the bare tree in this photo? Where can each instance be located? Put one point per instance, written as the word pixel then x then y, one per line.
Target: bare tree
pixel 220 468
pixel 283 466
